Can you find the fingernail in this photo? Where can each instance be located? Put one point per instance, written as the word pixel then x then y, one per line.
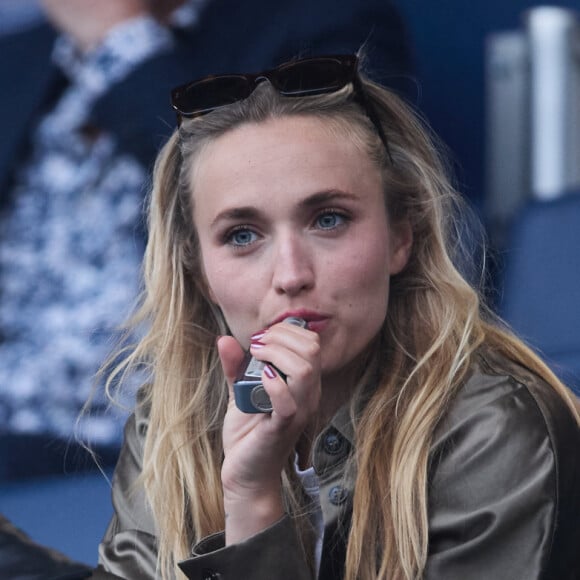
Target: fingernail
pixel 256 344
pixel 270 372
pixel 258 335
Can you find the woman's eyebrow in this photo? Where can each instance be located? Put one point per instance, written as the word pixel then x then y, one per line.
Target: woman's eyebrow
pixel 237 213
pixel 327 196
pixel 251 213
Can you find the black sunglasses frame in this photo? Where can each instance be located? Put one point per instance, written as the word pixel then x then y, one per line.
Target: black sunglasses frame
pixel 347 69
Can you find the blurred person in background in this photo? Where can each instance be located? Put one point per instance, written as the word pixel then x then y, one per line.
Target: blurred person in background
pixel 83 115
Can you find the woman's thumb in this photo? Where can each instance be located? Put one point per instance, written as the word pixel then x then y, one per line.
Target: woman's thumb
pixel 231 356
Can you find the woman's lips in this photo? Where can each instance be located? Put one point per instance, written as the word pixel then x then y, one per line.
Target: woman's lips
pixel 317 325
pixel 315 320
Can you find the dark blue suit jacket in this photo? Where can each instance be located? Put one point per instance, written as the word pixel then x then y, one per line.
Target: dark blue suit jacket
pixel 246 36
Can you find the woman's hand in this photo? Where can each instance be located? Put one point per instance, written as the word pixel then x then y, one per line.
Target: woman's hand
pixel 257 446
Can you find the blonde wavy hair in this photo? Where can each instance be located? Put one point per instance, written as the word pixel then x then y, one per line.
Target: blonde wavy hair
pixel 435 322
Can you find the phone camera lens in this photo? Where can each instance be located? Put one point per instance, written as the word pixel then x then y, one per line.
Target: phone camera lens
pixel 260 399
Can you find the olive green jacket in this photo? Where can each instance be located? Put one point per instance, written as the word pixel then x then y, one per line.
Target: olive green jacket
pixel 503 495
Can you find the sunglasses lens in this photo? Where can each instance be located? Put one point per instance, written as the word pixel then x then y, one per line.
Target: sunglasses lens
pixel 305 77
pixel 315 76
pixel 210 93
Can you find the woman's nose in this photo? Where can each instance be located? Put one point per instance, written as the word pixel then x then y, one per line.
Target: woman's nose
pixel 293 270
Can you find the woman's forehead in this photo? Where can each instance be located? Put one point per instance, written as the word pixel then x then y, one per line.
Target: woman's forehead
pixel 280 154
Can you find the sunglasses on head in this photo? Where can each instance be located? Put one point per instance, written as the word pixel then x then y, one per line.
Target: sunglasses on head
pixel 299 78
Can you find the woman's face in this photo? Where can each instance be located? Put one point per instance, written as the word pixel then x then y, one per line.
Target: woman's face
pixel 292 221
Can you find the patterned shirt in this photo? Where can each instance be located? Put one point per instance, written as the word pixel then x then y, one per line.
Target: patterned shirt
pixel 70 251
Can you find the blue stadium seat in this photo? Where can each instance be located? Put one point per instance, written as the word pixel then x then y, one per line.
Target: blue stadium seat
pixel 66 513
pixel 541 282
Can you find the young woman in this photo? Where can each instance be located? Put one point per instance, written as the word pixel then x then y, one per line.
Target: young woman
pixel 410 435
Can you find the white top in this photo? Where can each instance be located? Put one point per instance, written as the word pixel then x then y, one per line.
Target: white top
pixel 311 486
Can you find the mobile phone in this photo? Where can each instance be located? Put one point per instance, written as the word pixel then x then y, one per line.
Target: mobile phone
pixel 249 393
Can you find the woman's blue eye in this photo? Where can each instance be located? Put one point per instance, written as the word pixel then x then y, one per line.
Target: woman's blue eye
pixel 242 237
pixel 329 220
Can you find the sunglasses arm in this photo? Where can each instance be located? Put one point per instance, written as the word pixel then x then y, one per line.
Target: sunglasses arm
pixel 371 113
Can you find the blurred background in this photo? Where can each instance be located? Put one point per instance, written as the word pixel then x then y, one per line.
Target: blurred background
pixel 500 84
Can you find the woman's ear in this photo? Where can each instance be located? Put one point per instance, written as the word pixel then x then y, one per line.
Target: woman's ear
pixel 401 240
